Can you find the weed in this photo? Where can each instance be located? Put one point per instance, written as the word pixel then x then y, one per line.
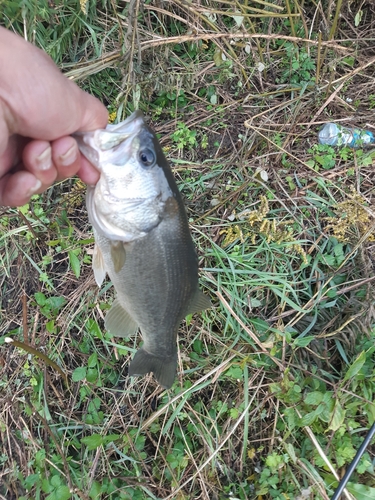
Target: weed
pixel 323 156
pixel 301 69
pixel 169 102
pixel 278 232
pixel 184 137
pixel 351 221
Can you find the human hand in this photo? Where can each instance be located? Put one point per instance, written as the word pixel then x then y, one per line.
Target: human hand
pixel 39 109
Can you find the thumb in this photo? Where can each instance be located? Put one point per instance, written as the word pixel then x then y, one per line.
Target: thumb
pixel 90 113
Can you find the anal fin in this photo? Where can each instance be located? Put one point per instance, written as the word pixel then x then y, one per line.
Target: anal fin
pixel 119 322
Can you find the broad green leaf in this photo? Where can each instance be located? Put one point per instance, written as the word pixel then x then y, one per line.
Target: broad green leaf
pixel 94 329
pixel 31 480
pixel 92 375
pixel 55 302
pixel 349 61
pixel 234 372
pixel 40 298
pixel 328 397
pixel 274 460
pixel 79 374
pixel 253 302
pixel 303 341
pixel 260 324
pixel 233 412
pixel 369 409
pixel 188 319
pixel 327 406
pixel 74 263
pixel 356 366
pixel 93 360
pixel 93 442
pixel 46 487
pixel 319 410
pixel 60 493
pixel 308 419
pixel 361 492
pixel 95 490
pixel 63 493
pixel 24 209
pixel 198 346
pixel 55 481
pixel 310 163
pixel 50 326
pixel 314 398
pixel 338 417
pixel 110 438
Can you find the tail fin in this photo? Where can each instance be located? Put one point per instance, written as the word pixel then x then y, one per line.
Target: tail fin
pixel 164 369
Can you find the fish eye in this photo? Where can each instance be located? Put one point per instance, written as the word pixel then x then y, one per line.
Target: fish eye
pixel 147 157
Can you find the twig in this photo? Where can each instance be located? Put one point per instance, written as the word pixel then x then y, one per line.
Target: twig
pixel 35 352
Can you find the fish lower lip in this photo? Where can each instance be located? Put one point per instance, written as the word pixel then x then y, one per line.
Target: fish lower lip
pixel 113 199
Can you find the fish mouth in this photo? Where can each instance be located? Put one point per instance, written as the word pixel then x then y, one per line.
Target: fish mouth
pixel 113 135
pixel 100 145
pixel 135 121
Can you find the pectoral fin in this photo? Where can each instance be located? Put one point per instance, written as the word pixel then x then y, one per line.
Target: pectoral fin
pixel 199 303
pixel 119 322
pixel 98 266
pixel 118 255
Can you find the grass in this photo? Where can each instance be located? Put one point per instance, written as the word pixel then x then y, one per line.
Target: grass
pixel 276 382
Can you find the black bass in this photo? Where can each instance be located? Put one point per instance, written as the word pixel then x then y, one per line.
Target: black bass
pixel 143 242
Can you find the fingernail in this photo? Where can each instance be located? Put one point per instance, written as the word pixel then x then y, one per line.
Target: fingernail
pixel 69 157
pixel 44 161
pixel 34 188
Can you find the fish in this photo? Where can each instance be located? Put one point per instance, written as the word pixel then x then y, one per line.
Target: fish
pixel 142 241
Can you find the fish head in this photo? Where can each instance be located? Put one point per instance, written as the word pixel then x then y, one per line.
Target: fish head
pixel 130 197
